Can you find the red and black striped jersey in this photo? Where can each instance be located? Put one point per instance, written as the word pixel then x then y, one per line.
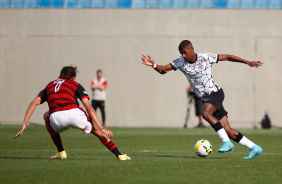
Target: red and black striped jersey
pixel 62 94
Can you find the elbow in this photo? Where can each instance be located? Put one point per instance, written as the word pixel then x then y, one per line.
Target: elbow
pixel 36 101
pixel 230 58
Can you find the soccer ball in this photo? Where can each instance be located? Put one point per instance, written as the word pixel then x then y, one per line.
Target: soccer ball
pixel 203 148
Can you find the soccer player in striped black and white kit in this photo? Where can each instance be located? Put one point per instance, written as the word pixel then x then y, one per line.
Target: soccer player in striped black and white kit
pixel 64 112
pixel 197 69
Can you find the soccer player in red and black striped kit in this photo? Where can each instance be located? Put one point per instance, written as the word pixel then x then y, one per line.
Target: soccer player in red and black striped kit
pixel 64 112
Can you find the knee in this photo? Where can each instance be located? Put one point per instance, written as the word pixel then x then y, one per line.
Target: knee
pixel 45 116
pixel 97 132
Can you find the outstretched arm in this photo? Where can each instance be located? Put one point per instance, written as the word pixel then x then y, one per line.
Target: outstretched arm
pixel 28 114
pixel 94 118
pixel 149 61
pixel 225 57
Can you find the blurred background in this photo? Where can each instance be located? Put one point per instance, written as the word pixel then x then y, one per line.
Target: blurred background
pixel 39 37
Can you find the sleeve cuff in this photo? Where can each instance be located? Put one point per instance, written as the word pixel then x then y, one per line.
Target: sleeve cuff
pixel 173 67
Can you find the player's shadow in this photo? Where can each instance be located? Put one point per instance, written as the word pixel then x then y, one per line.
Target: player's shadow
pixel 170 156
pixel 37 158
pixel 24 158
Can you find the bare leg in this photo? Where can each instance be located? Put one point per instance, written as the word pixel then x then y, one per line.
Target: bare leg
pixel 224 131
pixel 54 135
pixel 97 132
pixel 239 138
pixel 104 140
pixel 207 113
pixel 230 132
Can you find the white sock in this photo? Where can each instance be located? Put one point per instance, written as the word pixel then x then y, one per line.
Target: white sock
pixel 246 142
pixel 222 135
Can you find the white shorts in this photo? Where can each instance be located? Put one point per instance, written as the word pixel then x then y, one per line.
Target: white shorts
pixel 75 118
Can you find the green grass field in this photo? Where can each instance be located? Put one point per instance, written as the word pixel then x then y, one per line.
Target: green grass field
pixel 159 155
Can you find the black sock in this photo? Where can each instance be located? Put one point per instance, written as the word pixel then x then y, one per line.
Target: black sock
pixel 116 152
pixel 57 141
pixel 217 126
pixel 238 137
pixel 60 148
pixel 111 146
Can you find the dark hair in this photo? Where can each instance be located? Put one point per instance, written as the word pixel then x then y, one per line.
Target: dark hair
pixel 184 44
pixel 99 70
pixel 68 72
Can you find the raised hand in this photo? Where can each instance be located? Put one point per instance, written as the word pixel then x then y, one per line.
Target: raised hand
pixel 255 63
pixel 147 60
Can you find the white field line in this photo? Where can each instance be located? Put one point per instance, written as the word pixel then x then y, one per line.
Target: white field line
pixel 154 151
pixel 142 151
pixel 45 150
pixel 234 153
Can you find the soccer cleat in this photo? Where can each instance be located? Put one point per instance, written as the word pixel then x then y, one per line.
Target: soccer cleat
pixel 60 155
pixel 227 146
pixel 254 151
pixel 124 157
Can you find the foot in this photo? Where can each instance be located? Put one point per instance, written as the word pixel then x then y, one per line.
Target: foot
pixel 254 151
pixel 60 155
pixel 200 125
pixel 124 157
pixel 227 146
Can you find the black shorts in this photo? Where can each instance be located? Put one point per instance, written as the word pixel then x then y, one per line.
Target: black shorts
pixel 198 105
pixel 98 104
pixel 216 99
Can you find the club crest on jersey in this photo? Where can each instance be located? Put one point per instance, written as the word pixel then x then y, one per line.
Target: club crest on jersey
pixel 200 65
